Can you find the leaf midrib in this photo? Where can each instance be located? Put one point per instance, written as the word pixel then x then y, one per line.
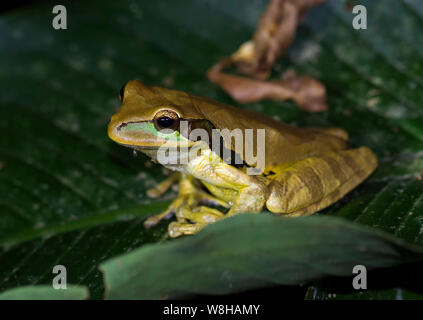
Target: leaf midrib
pixel 90 220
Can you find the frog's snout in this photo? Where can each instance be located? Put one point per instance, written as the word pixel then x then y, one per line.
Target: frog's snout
pixel 113 127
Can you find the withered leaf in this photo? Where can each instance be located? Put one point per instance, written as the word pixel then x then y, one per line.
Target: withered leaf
pixel 255 58
pixel 307 92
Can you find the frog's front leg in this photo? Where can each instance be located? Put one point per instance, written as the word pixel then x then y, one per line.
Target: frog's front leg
pixel 249 192
pixel 163 186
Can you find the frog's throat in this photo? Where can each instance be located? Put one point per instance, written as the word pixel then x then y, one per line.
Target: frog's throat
pixel 174 163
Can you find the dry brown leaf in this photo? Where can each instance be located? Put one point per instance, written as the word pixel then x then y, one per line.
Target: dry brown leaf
pixel 308 93
pixel 274 35
pixel 255 58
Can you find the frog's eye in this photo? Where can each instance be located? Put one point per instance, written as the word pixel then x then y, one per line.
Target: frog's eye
pixel 166 119
pixel 121 93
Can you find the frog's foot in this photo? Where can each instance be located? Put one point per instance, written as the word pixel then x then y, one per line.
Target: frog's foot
pixel 191 220
pixel 188 205
pixel 177 229
pixel 154 220
pixel 193 215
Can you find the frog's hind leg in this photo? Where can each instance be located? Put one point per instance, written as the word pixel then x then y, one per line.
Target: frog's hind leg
pixel 313 184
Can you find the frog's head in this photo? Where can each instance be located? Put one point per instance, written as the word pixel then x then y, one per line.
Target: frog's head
pixel 152 116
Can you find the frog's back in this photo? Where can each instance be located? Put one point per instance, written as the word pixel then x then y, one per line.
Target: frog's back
pixel 284 142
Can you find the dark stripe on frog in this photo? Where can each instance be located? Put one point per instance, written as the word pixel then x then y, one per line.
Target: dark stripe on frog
pixel 353 164
pixel 311 181
pixel 124 124
pixel 336 167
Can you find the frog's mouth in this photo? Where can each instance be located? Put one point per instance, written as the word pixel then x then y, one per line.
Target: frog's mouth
pixel 146 149
pixel 140 148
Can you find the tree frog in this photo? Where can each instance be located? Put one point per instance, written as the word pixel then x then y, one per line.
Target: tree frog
pixel 305 169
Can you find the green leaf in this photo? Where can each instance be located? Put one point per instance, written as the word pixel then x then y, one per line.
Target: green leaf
pixel 70 196
pixel 218 261
pixel 45 293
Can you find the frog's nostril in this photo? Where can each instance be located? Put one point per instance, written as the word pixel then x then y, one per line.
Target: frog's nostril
pixel 123 125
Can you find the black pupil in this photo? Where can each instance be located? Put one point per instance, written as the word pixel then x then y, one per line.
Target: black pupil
pixel 121 92
pixel 165 122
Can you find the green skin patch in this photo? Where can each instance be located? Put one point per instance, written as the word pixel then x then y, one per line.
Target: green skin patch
pixel 149 128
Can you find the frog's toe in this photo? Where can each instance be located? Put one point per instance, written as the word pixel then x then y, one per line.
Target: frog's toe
pixel 200 214
pixel 154 193
pixel 156 219
pixel 177 229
